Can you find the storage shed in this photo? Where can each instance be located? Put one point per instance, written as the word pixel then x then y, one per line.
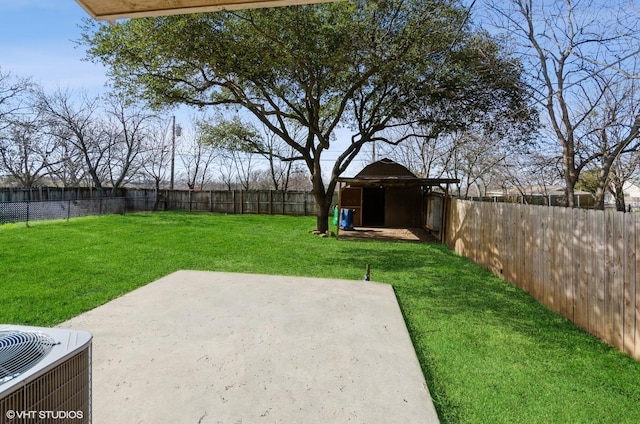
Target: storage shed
pixel 386 194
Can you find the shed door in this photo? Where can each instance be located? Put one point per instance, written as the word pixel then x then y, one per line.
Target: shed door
pixel 373 207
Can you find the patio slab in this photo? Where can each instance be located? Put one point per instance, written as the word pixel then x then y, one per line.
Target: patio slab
pixel 207 347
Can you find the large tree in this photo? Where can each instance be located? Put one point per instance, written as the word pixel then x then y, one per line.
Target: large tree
pixel 13 93
pixel 580 56
pixel 73 119
pixel 126 127
pixel 156 155
pixel 27 152
pixel 102 135
pixel 16 131
pixel 197 157
pixel 362 65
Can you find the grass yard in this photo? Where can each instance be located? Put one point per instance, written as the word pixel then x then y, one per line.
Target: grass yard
pixel 490 353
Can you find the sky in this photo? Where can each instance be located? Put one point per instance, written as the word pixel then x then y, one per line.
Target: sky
pixel 37 41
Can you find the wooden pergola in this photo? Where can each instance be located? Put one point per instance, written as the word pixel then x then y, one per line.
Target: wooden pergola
pixel 110 10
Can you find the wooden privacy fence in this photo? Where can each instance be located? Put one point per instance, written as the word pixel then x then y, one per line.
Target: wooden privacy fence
pixel 236 201
pixel 580 263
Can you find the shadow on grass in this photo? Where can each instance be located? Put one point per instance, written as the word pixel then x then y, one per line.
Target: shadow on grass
pixel 484 344
pixel 436 278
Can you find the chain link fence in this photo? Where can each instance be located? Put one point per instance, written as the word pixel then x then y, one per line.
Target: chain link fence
pixel 26 211
pixel 34 205
pixel 25 205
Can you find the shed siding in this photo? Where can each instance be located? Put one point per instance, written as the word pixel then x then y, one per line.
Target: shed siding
pixel 403 207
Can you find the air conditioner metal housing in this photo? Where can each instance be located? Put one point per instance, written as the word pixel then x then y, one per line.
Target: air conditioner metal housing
pixel 45 375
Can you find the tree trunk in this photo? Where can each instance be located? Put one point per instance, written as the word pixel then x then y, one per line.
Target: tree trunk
pixel 322 219
pixel 323 205
pixel 620 205
pixel 599 195
pixel 322 198
pixel 570 175
pixel 619 195
pixel 156 199
pixel 569 192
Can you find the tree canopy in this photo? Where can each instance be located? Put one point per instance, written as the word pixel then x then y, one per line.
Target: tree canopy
pixel 362 65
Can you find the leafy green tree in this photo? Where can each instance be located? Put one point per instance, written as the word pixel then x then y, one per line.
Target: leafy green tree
pixel 362 65
pixel 236 141
pixel 588 180
pixel 231 134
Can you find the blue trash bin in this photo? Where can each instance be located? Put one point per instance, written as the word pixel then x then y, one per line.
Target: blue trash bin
pixel 346 219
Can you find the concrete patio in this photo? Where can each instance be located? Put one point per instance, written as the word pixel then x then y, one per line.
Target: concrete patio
pixel 206 347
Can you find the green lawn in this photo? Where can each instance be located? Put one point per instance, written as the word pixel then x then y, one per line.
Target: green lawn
pixel 489 352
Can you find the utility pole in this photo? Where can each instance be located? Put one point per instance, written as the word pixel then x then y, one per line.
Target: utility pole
pixel 173 150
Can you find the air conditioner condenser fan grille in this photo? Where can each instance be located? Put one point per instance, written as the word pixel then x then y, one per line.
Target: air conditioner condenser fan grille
pixel 21 350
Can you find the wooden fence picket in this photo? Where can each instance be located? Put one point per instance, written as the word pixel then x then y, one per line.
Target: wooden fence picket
pixel 629 279
pixel 582 276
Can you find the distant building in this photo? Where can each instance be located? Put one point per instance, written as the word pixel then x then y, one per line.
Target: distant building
pixel 631 190
pixel 551 195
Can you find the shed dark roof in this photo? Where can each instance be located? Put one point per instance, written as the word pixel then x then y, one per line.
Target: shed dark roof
pixel 389 173
pixel 385 168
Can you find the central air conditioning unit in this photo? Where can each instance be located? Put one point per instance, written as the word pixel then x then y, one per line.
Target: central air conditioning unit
pixel 45 375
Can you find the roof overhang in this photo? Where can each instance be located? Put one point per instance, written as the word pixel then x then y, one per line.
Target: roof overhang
pixel 397 181
pixel 110 10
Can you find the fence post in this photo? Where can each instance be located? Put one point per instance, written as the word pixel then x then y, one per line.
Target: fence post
pixel 270 202
pixel 257 201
